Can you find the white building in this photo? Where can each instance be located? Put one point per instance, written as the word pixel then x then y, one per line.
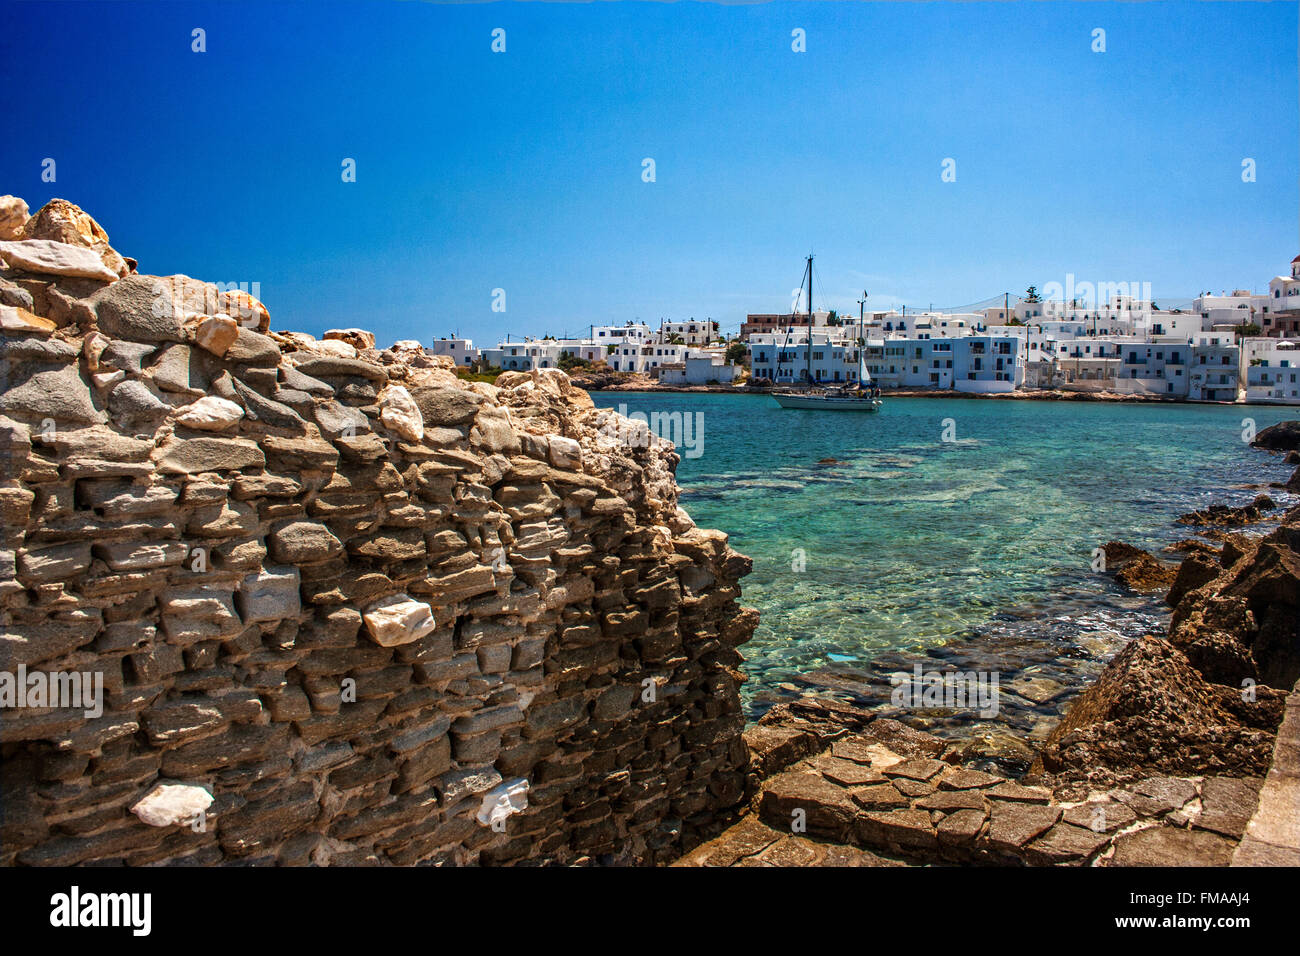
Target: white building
pixel 1272 370
pixel 462 351
pixel 698 369
pixel 783 357
pixel 1155 369
pixel 1216 374
pixel 693 332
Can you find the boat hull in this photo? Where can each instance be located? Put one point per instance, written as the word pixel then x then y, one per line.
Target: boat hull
pixel 827 403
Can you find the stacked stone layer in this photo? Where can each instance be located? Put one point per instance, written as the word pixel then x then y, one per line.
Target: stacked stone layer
pixel 348 608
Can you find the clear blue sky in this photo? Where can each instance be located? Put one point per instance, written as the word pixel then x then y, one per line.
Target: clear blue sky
pixel 523 170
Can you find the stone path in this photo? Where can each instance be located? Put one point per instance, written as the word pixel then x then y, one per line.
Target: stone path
pixel 877 796
pixel 1273 837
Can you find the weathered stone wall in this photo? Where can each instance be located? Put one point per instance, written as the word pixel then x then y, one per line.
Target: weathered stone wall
pixel 348 608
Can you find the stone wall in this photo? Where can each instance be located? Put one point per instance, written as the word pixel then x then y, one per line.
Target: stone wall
pixel 347 607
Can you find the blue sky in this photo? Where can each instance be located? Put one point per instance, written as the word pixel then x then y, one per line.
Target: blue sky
pixel 523 170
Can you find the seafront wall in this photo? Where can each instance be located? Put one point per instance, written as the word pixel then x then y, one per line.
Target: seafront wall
pixel 344 607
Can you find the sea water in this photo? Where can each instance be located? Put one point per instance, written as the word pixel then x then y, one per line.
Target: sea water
pixel 954 532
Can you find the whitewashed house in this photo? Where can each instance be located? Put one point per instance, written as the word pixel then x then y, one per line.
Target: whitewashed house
pixel 1272 370
pixel 461 351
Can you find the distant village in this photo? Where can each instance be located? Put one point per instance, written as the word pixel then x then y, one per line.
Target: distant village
pixel 1243 347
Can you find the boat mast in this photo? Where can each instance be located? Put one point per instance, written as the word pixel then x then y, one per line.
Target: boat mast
pixel 810 319
pixel 862 342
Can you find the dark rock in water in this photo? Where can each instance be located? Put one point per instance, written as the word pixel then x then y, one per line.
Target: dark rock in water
pixel 828 461
pixel 1227 517
pixel 1210 698
pixel 1146 574
pixel 1293 484
pixel 1119 554
pixel 1292 458
pixel 1136 569
pixel 1284 436
pixel 1194 546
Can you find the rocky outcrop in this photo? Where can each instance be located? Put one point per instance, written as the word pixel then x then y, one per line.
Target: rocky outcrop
pixel 1209 696
pixel 346 607
pixel 1138 570
pixel 1224 516
pixel 1284 436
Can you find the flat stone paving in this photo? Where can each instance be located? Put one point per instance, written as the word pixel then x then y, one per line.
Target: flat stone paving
pixel 879 797
pixel 1272 837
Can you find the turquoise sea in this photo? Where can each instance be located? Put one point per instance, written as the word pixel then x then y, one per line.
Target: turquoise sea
pixel 971 551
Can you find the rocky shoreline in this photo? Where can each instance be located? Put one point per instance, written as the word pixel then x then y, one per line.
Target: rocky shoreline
pixel 1172 756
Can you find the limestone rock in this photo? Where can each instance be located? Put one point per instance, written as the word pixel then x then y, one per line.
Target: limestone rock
pixel 64 222
pixel 131 401
pixel 190 456
pixel 169 804
pixel 357 338
pixel 1147 573
pixel 400 414
pixel 140 309
pixel 502 802
pixel 210 414
pixel 45 257
pixel 398 620
pixel 216 333
pixel 16 321
pixel 13 216
pixel 565 453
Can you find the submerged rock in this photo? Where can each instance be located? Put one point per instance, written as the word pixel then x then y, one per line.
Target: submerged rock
pixel 1225 516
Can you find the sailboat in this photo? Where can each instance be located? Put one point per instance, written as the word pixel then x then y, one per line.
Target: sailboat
pixel 859 396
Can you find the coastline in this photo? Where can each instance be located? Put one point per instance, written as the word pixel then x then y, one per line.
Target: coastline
pixel 1039 652
pixel 1045 395
pixel 1180 752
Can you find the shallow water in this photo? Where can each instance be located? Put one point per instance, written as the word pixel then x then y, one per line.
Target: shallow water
pixel 975 550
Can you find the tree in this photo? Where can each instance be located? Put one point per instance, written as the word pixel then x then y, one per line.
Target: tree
pixel 1249 331
pixel 1031 294
pixel 737 352
pixel 568 362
